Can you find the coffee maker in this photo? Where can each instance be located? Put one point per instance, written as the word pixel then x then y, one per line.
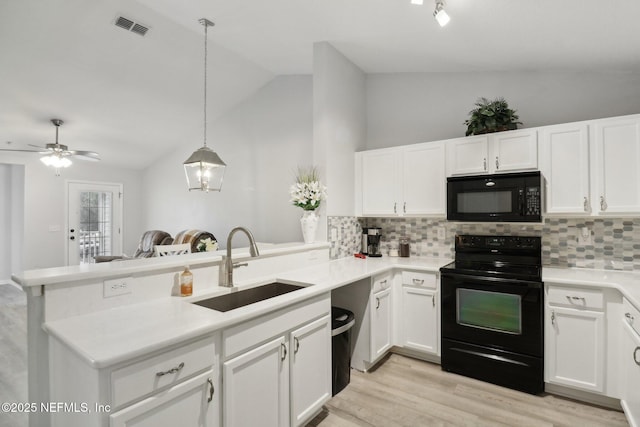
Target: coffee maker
pixel 371 241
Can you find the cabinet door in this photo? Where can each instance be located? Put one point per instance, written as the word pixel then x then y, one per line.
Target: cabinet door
pixel 514 151
pixel 420 319
pixel 575 348
pixel 256 387
pixel 618 166
pixel 565 165
pixel 310 369
pixel 380 323
pixel 631 375
pixel 468 155
pixel 190 403
pixel 423 179
pixel 380 182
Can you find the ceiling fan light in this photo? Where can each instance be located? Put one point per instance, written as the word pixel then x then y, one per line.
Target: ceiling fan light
pixel 417 1
pixel 56 161
pixel 440 14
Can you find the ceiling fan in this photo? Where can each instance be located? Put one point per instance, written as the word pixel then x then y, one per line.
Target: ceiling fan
pixel 58 155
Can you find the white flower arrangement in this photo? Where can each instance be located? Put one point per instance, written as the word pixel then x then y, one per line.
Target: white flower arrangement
pixel 207 245
pixel 307 192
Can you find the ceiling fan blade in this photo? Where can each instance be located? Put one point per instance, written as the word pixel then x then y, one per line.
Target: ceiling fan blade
pixel 22 151
pixel 86 155
pixel 37 146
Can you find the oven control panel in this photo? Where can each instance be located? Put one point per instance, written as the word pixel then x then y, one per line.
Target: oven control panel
pixel 532 201
pixel 497 242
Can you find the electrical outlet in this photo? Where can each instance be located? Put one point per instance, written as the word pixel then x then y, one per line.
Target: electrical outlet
pixel 584 236
pixel 441 233
pixel 114 287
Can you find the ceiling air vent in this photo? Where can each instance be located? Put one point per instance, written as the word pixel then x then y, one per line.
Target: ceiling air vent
pixel 130 25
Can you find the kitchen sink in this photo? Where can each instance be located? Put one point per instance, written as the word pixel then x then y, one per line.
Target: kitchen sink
pixel 248 296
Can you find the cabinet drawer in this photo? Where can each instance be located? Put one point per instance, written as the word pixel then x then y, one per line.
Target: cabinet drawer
pixel 422 279
pixel 568 296
pixel 142 378
pixel 631 315
pixel 381 282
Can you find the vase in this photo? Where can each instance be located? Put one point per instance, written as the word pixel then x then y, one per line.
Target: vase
pixel 309 224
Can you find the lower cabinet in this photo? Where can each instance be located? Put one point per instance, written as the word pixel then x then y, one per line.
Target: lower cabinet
pixel 575 338
pixel 380 323
pixel 285 380
pixel 630 364
pixel 256 387
pixel 188 404
pixel 420 319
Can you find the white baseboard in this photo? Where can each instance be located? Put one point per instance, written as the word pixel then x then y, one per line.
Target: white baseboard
pixel 584 396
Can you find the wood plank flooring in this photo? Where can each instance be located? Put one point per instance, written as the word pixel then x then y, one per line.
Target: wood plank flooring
pixel 13 352
pixel 406 392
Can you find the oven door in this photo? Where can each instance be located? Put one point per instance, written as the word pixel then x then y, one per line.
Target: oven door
pixel 505 314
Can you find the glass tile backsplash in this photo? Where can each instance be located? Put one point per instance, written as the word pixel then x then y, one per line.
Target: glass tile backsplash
pixel 602 243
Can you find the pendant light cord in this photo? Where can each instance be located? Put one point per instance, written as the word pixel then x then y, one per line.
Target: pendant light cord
pixel 206 25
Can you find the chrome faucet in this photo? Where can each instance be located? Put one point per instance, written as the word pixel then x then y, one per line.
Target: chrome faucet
pixel 228 262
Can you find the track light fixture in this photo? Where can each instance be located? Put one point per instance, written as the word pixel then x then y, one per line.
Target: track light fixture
pixel 440 14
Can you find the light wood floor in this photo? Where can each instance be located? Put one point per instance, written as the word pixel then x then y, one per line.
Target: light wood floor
pixel 406 392
pixel 13 352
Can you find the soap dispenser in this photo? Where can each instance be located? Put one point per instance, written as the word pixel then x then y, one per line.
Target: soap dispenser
pixel 186 282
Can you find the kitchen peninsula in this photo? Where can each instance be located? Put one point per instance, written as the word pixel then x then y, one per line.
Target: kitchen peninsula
pixel 147 354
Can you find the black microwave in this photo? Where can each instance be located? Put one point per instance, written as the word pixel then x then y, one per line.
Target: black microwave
pixel 512 197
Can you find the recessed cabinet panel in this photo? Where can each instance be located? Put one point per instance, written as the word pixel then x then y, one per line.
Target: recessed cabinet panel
pixel 423 179
pixel 514 151
pixel 468 155
pixel 565 165
pixel 420 319
pixel 631 375
pixel 380 182
pixel 380 323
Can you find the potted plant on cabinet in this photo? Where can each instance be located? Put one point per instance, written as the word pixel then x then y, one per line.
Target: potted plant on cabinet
pixel 491 116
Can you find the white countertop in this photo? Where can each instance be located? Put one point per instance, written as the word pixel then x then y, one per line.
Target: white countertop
pixel 112 336
pixel 66 274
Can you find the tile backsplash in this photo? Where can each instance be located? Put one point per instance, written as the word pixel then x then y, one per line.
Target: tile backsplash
pixel 602 243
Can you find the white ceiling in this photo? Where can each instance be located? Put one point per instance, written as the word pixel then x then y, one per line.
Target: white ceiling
pixel 133 98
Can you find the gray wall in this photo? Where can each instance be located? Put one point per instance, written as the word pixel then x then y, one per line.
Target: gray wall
pixel 419 107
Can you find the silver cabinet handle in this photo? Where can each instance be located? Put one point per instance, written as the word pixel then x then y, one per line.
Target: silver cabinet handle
pixel 171 371
pixel 296 341
pixel 553 317
pixel 571 299
pixel 395 208
pixel 383 282
pixel 211 390
pixel 418 281
pixel 497 163
pixel 433 300
pixel 603 204
pixel 404 207
pixel 284 351
pixel 377 303
pixel 635 358
pixel 484 163
pixel 629 316
pixel 586 204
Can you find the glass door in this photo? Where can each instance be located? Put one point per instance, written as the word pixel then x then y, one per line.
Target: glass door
pixel 94 221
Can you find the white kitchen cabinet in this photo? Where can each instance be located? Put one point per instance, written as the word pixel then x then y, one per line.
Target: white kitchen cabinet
pixel 407 180
pixel 630 370
pixel 174 387
pixel 420 312
pixel 499 152
pixel 310 374
pixel 380 323
pixel 617 166
pixel 565 165
pixel 188 403
pixel 286 379
pixel 575 338
pixel 256 387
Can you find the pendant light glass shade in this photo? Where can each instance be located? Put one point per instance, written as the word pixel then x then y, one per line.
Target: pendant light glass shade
pixel 204 168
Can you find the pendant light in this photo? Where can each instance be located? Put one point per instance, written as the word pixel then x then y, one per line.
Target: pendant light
pixel 204 168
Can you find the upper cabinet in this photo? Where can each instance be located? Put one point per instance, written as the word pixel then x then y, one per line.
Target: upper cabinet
pixel 617 166
pixel 564 162
pixel 406 180
pixel 495 153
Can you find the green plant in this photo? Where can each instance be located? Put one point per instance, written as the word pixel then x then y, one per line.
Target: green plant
pixel 491 116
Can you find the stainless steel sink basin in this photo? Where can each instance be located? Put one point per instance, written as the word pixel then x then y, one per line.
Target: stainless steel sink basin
pixel 248 296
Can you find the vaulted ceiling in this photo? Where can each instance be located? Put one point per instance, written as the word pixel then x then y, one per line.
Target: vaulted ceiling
pixel 132 98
